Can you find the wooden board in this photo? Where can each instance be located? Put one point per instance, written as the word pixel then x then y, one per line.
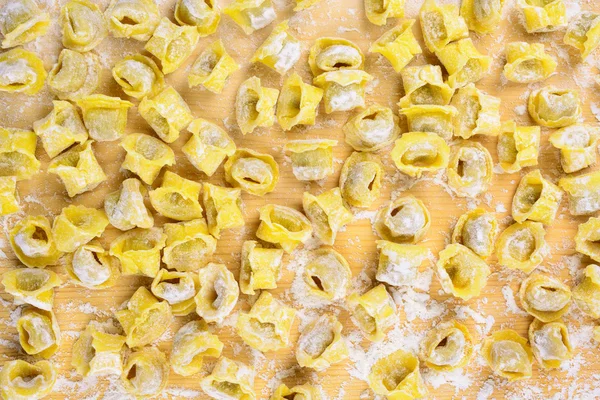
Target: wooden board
pixel 418 310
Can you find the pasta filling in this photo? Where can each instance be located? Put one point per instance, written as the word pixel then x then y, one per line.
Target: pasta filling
pixel 393 378
pixel 509 357
pixel 521 245
pixel 433 24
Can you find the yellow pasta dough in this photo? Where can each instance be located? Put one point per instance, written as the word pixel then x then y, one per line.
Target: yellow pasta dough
pixel 97 351
pixel 76 225
pixel 78 169
pixel 404 220
pixel 464 63
pixel 251 171
pixel 378 11
pixel 327 213
pixel 303 392
pixel 167 113
pixel 374 312
pixel 83 25
pixel 372 129
pixel 418 152
pixel 125 208
pixel 312 159
pixel 583 33
pixel 550 343
pixel 9 202
pixel 33 286
pixel 229 379
pixel 343 90
pixel 92 267
pixel 17 153
pixel 146 155
pixel 189 245
pixel 536 199
pixel 482 16
pixel 191 344
pixel 259 268
pixel 446 347
pixel 321 344
pixel 397 376
pixel 477 113
pixel 470 169
pixel 527 62
pixel 522 246
pixel 20 380
pixel 255 105
pixel 75 75
pixel 587 292
pixel 177 198
pixel 554 108
pixel 304 4
pixel 508 355
pixel 280 51
pixel 298 103
pixel 145 372
pixel 518 146
pixel 138 76
pixel 461 272
pixel 283 226
pixel 138 250
pixel 21 71
pixel 544 297
pixel 476 230
pixel 172 44
pixel 39 334
pixel 33 243
pixel 212 68
pixel 208 146
pixel 360 179
pixel 60 129
pixel 218 293
pixel 334 54
pixel 583 192
pixel 251 15
pixel 202 14
pixel 398 45
pixel 176 288
pixel 22 21
pixel 424 85
pixel 431 118
pixel 327 275
pixel 441 24
pixel 542 16
pixel 105 117
pixel 135 19
pixel 223 208
pixel 578 146
pixel 399 263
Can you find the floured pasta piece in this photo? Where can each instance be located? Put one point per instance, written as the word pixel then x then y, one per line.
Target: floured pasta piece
pixel 191 344
pixel 223 208
pixel 267 326
pixel 441 24
pixel 20 380
pixel 189 245
pixel 298 103
pixel 476 230
pixel 167 113
pixel 583 192
pixel 302 392
pixel 138 250
pixel 135 19
pixel 303 5
pixel 75 76
pixel 218 293
pixel 508 355
pixel 255 105
pixel 360 179
pixel 418 152
pixel 146 156
pixel 253 172
pixel 21 71
pixel 60 129
pixel 39 334
pixel 312 159
pixel 76 225
pixel 587 293
pixel 343 90
pixel 522 246
pixel 78 169
pixel 97 351
pixel 17 153
pixel 327 213
pixel 229 379
pixel 399 263
pixel 33 243
pixel 212 68
pixel 477 113
pixel 431 118
pixel 528 62
pixel 251 15
pixel 172 44
pixel 321 344
pixel 92 267
pixel 404 220
pixel 33 286
pixel 464 63
pixel 372 129
pixel 145 372
pixel 283 226
pixel 518 146
pixel 470 169
pixel 334 54
pixel 461 272
pixel 260 267
pixel 83 25
pixel 280 51
pixel 550 343
pixel 398 45
pixel 125 208
pixel 378 11
pixel 327 275
pixel 446 347
pixel 536 199
pixel 176 288
pixel 544 297
pixel 202 14
pixel 208 146
pixel 554 108
pixel 583 33
pixel 177 198
pixel 22 21
pixel 396 376
pixel 374 312
pixel 9 202
pixel 542 16
pixel 144 319
pixel 578 146
pixel 482 16
pixel 105 117
pixel 424 85
pixel 138 76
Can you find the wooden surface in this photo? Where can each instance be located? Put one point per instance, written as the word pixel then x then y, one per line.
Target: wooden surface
pixel 418 309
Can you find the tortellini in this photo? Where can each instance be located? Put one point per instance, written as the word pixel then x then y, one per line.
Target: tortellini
pixel 397 376
pixel 554 108
pixel 202 14
pixel 83 25
pixel 229 379
pixel 208 146
pixel 372 129
pixel 21 71
pixel 482 16
pixel 9 202
pixel 176 288
pixel 424 85
pixel 74 76
pixel 399 44
pixel 527 62
pixel 20 380
pixel 146 155
pixel 522 246
pixel 105 117
pixel 441 24
pixel 251 171
pixel 145 372
pixel 125 207
pixel 321 344
pixel 360 179
pixel 476 230
pixel 470 169
pixel 218 293
pixel 138 76
pixel 280 51
pixel 77 225
pixel 191 344
pixel 33 286
pixel 508 354
pixel 327 275
pixel 17 153
pixel 343 90
pixel 378 11
pixel 259 268
pixel 223 208
pixel 189 245
pixel 536 199
pixel 135 19
pixel 374 312
pixel 461 272
pixel 255 105
pixel 138 250
pixel 464 63
pixel 268 324
pixel 431 118
pixel 22 21
pixel 578 146
pixel 583 192
pixel 405 220
pixel 447 346
pixel 399 263
pixel 177 198
pixel 172 44
pixel 550 343
pixel 251 15
pixel 39 333
pixel 327 213
pixel 97 351
pixel 306 392
pixel 305 4
pixel 542 16
pixel 518 146
pixel 587 292
pixel 33 243
pixel 167 113
pixel 78 169
pixel 298 103
pixel 477 113
pixel 312 159
pixel 418 152
pixel 334 54
pixel 60 129
pixel 212 68
pixel 583 33
pixel 283 226
pixel 545 297
pixel 92 267
pixel 144 319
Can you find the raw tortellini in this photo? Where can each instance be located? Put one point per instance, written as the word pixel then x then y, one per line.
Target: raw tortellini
pixel 145 372
pixel 176 288
pixel 33 286
pixel 97 351
pixel 177 198
pixel 146 155
pixel 464 63
pixel 399 263
pixel 583 192
pixel 229 379
pixel 477 113
pixel 542 16
pixel 372 129
pixel 138 76
pixel 508 354
pixel 33 242
pixel 545 297
pixel 39 333
pixel 167 113
pixel 418 152
pixel 550 343
pixel 378 11
pixel 447 346
pixel 343 90
pixel 251 15
pixel 9 202
pixel 17 153
pixel 77 75
pixel 536 199
pixel 208 146
pixel 527 62
pixel 327 213
pixel 333 54
pixel 172 44
pixel 470 169
pixel 135 19
pixel 321 343
pixel 431 118
pixel 280 51
pixel 259 268
pixel 298 103
pixel 476 230
pixel 327 275
pixel 522 246
pixel 125 208
pixel 223 208
pixel 212 68
pixel 77 225
pixel 202 14
pixel 21 380
pixel 251 171
pixel 255 105
pixel 578 146
pixel 398 45
pixel 360 179
pixel 21 21
pixel 218 293
pixel 60 129
pixel 461 272
pixel 189 245
pixel 78 169
pixel 587 293
pixel 312 159
pixel 306 392
pixel 283 226
pixel 92 267
pixel 138 250
pixel 21 71
pixel 83 25
pixel 518 146
pixel 191 344
pixel 554 108
pixel 405 220
pixel 482 16
pixel 441 24
pixel 374 312
pixel 105 117
pixel 397 376
pixel 583 33
pixel 424 85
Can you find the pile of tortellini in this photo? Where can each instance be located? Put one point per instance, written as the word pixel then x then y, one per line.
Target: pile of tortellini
pixel 177 255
